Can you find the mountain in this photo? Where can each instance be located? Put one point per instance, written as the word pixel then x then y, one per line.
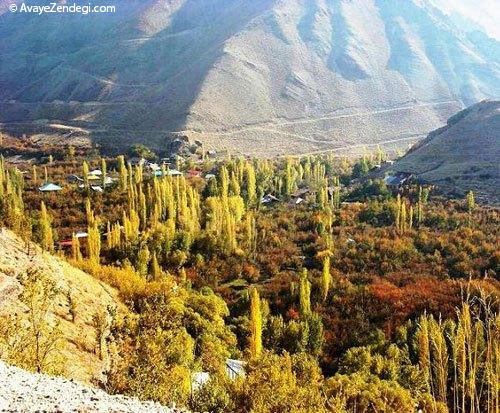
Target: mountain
pixel 261 77
pixel 73 309
pixel 463 155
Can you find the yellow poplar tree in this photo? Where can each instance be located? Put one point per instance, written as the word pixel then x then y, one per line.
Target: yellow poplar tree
pixel 46 228
pixel 94 244
pixel 326 277
pixel 76 253
pixel 255 324
pixel 305 294
pixel 86 174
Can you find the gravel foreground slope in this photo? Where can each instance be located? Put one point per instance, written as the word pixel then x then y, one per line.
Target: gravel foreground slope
pixel 21 391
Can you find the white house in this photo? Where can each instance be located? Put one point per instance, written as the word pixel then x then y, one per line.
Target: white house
pixel 49 187
pixel 234 369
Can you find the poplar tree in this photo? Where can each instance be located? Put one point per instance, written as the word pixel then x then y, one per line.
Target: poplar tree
pixel 122 171
pixel 471 203
pixel 156 271
pixel 104 172
pixel 402 217
pixel 76 253
pixel 86 174
pixel 326 277
pixel 89 213
pixel 255 324
pixel 398 212
pixel 47 238
pixel 251 185
pixel 94 244
pixel 304 294
pixel 143 258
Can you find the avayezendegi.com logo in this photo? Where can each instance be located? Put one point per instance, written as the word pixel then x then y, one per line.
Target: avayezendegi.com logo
pixel 61 8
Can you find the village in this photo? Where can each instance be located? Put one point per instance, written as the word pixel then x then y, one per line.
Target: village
pixel 55 181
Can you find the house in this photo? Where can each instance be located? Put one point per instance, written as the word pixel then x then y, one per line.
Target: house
pixel 74 179
pixel 49 187
pixel 97 188
pixel 398 179
pixel 168 172
pixel 297 201
pixel 235 368
pixel 95 172
pixel 137 161
pixel 67 243
pixel 81 234
pixel 210 176
pixel 301 193
pixel 194 173
pixel 153 167
pixel 268 199
pixel 108 181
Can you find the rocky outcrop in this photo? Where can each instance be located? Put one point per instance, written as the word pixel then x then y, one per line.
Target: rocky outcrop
pixel 21 391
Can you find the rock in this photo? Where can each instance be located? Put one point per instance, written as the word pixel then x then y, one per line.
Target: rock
pixel 22 391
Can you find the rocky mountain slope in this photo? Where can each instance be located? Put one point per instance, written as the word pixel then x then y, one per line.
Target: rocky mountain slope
pixel 262 77
pixel 21 391
pixel 463 155
pixel 80 298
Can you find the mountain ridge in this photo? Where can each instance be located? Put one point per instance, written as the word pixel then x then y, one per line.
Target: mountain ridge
pixel 462 155
pixel 159 70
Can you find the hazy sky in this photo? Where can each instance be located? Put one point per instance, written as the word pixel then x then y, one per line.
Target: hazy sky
pixel 484 12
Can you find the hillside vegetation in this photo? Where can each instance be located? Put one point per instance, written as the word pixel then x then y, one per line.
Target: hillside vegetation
pixel 70 310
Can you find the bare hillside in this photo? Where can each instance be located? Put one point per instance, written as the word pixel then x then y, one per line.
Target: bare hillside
pixel 464 155
pixel 80 298
pixel 262 77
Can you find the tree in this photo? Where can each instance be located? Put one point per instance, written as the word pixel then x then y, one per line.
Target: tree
pixel 75 248
pixel 251 191
pixel 255 324
pixel 326 277
pixel 122 170
pixel 142 151
pixel 46 235
pixel 94 244
pixel 34 176
pixel 143 260
pixel 156 270
pixel 471 203
pixel 85 171
pixel 103 172
pixel 30 339
pixel 304 294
